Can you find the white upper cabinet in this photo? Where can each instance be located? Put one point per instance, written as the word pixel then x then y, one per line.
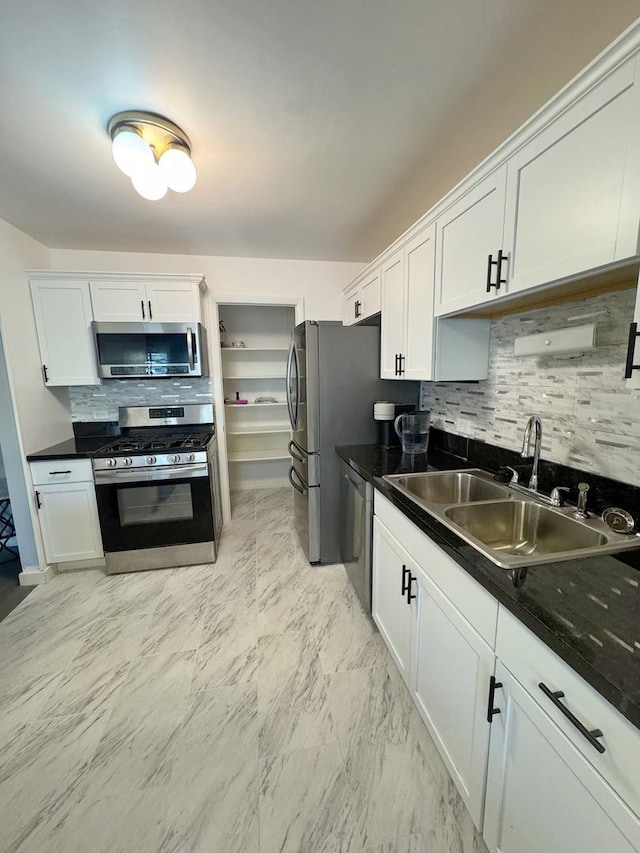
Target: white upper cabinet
pixel 393 314
pixel 573 191
pixel 63 317
pixel 414 345
pixel 362 298
pixel 119 301
pixel 468 245
pixel 151 301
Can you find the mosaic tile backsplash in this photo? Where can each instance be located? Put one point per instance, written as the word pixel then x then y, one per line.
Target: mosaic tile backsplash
pixel 590 418
pixel 101 402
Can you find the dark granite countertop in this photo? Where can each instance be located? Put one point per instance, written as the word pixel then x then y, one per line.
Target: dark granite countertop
pixel 78 448
pixel 587 611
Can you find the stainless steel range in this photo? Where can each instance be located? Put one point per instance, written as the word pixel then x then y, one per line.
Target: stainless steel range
pixel 158 489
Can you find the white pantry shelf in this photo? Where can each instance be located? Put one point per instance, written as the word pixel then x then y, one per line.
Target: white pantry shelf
pixel 265 376
pixel 259 429
pixel 257 456
pixel 254 349
pixel 257 405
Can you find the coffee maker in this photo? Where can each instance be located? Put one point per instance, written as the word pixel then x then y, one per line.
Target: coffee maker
pixel 384 414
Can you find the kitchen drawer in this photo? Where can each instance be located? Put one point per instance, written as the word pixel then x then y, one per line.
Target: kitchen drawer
pixel 532 662
pixel 478 607
pixel 61 471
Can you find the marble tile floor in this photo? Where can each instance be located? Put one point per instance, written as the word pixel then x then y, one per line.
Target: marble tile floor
pixel 244 707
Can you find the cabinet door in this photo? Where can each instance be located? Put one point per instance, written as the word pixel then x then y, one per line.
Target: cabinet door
pixel 119 301
pixel 392 321
pixel 452 667
pixel 391 611
pixel 63 317
pixel 69 522
pixel 541 793
pixel 352 307
pixel 419 293
pixel 467 233
pixel 371 294
pixel 173 302
pixel 573 192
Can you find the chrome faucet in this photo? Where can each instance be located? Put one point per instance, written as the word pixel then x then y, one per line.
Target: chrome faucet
pixel 534 421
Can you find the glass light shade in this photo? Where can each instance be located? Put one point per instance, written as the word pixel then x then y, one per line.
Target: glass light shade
pixel 150 183
pixel 178 169
pixel 131 152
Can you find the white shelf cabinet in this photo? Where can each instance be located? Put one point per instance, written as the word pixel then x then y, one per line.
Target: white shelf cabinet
pixel 151 301
pixel 66 502
pixel 62 311
pixel 256 442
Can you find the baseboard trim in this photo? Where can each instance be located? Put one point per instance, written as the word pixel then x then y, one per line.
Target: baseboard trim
pixel 80 565
pixel 34 575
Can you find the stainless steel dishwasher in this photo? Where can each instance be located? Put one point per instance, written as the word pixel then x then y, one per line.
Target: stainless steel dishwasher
pixel 356 531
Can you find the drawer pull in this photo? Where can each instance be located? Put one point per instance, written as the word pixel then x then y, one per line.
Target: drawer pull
pixel 591 735
pixel 491 711
pixel 58 472
pixel 411 596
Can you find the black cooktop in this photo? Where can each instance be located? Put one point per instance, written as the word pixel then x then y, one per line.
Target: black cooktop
pixel 133 444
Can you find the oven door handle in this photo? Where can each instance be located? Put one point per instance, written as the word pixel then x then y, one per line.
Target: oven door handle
pixel 173 472
pixel 190 349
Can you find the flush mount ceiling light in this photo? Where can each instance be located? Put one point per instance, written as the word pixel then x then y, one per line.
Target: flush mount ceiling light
pixel 153 151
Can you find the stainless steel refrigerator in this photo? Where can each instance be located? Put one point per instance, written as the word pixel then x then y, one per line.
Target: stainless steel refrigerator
pixel 333 380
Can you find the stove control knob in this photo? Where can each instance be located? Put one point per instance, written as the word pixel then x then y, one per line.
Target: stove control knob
pixel 127 461
pixel 191 457
pixel 110 463
pixel 151 460
pixel 174 458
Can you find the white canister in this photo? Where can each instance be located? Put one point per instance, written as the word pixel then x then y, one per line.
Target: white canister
pixel 383 410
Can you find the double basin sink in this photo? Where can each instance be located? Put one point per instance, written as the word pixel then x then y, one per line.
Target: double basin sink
pixel 511 530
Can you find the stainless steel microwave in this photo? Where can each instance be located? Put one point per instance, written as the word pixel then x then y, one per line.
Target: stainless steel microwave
pixel 139 350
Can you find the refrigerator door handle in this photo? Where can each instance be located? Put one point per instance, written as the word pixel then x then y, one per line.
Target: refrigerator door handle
pixel 288 381
pixel 299 487
pixel 298 386
pixel 295 451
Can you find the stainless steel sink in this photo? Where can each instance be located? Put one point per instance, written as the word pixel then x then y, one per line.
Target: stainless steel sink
pixel 510 531
pixel 524 529
pixel 449 487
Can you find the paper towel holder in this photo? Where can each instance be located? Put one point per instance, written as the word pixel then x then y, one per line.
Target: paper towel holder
pixel 570 340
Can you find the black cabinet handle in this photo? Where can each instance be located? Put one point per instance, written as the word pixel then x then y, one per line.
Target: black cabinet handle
pixel 401 358
pixel 38 501
pixel 498 265
pixel 144 316
pixel 405 572
pixel 150 313
pixel 493 686
pixel 357 307
pixel 44 373
pixel 591 735
pixel 631 347
pixel 501 259
pixel 59 472
pixel 395 372
pixel 411 595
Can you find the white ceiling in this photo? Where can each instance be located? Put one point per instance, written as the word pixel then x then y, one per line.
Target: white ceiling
pixel 320 128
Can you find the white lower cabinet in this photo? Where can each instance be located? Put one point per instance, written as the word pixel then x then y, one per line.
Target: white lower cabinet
pixel 450 686
pixel 68 512
pixel 542 794
pixel 510 719
pixel 393 613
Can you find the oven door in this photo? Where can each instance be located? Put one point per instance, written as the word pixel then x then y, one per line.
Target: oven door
pixel 164 507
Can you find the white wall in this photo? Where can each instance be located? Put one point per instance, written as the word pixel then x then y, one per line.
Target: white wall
pixel 32 415
pixel 319 283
